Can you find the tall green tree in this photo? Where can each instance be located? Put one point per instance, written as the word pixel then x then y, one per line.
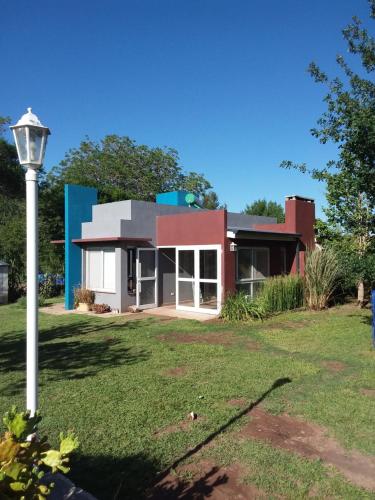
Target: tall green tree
pixel 122 169
pixel 267 208
pixel 349 122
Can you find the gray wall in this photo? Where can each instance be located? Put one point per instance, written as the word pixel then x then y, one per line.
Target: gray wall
pixel 129 219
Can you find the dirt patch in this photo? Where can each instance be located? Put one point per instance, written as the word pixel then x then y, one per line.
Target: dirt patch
pixel 184 425
pixel 253 345
pixel 334 366
pixel 310 441
pixel 288 325
pixel 178 371
pixel 368 392
pixel 221 338
pixel 214 338
pixel 238 403
pixel 204 480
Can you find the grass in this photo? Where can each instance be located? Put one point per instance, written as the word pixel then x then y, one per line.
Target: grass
pixel 109 380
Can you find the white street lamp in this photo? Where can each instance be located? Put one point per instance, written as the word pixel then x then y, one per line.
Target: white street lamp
pixel 31 140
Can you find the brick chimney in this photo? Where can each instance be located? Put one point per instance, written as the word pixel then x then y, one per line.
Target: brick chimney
pixel 300 218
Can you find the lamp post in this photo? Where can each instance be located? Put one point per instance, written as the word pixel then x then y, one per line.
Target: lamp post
pixel 31 140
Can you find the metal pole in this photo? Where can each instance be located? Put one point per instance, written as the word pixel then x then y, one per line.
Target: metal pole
pixel 32 290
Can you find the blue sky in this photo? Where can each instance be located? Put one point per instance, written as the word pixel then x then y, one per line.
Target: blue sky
pixel 223 82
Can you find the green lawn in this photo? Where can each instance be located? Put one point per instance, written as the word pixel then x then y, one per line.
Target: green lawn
pixel 110 381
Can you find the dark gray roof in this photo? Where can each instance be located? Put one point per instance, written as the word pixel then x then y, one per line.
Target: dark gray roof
pixel 2 263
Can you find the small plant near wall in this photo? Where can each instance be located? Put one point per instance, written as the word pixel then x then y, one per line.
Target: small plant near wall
pixel 322 277
pixel 239 307
pixel 24 458
pixel 83 299
pixel 101 308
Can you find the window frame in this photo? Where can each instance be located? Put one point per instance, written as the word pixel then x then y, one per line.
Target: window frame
pixel 252 280
pixel 102 250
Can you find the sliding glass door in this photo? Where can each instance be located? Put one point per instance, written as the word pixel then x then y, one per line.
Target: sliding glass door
pixel 198 278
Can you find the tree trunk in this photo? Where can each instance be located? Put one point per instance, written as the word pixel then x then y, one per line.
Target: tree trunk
pixel 361 294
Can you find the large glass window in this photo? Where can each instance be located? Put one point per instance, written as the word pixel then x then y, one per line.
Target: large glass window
pixel 186 264
pixel 252 269
pixel 101 269
pixel 208 264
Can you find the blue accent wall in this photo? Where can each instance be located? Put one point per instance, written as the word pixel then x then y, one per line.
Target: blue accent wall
pixel 78 208
pixel 176 198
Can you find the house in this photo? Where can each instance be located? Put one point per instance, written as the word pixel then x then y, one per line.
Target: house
pixel 172 252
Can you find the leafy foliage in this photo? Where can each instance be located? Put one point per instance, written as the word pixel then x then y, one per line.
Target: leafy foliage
pixel 24 458
pixel 121 169
pixel 266 208
pixel 211 201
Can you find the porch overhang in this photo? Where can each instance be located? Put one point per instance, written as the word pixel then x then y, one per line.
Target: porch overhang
pixel 114 239
pixel 243 233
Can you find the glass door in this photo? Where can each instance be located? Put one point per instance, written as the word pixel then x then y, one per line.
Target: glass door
pixel 146 278
pixel 198 280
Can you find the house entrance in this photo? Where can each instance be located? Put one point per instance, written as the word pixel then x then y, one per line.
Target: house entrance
pixel 146 290
pixel 198 278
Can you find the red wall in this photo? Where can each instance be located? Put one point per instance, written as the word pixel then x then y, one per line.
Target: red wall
pixel 197 228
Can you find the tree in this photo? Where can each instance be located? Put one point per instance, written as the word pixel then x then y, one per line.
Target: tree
pixel 266 208
pixel 122 169
pixel 211 201
pixel 349 122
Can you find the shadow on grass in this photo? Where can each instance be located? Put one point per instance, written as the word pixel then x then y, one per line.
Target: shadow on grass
pixel 111 478
pixel 69 352
pixel 138 476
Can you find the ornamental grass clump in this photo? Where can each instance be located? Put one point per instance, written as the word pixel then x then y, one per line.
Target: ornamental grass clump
pixel 282 293
pixel 83 296
pixel 239 307
pixel 322 277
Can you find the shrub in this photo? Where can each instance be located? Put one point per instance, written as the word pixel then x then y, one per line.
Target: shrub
pixel 282 293
pixel 238 307
pixel 22 301
pixel 322 277
pixel 48 287
pixel 101 308
pixel 83 296
pixel 24 460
